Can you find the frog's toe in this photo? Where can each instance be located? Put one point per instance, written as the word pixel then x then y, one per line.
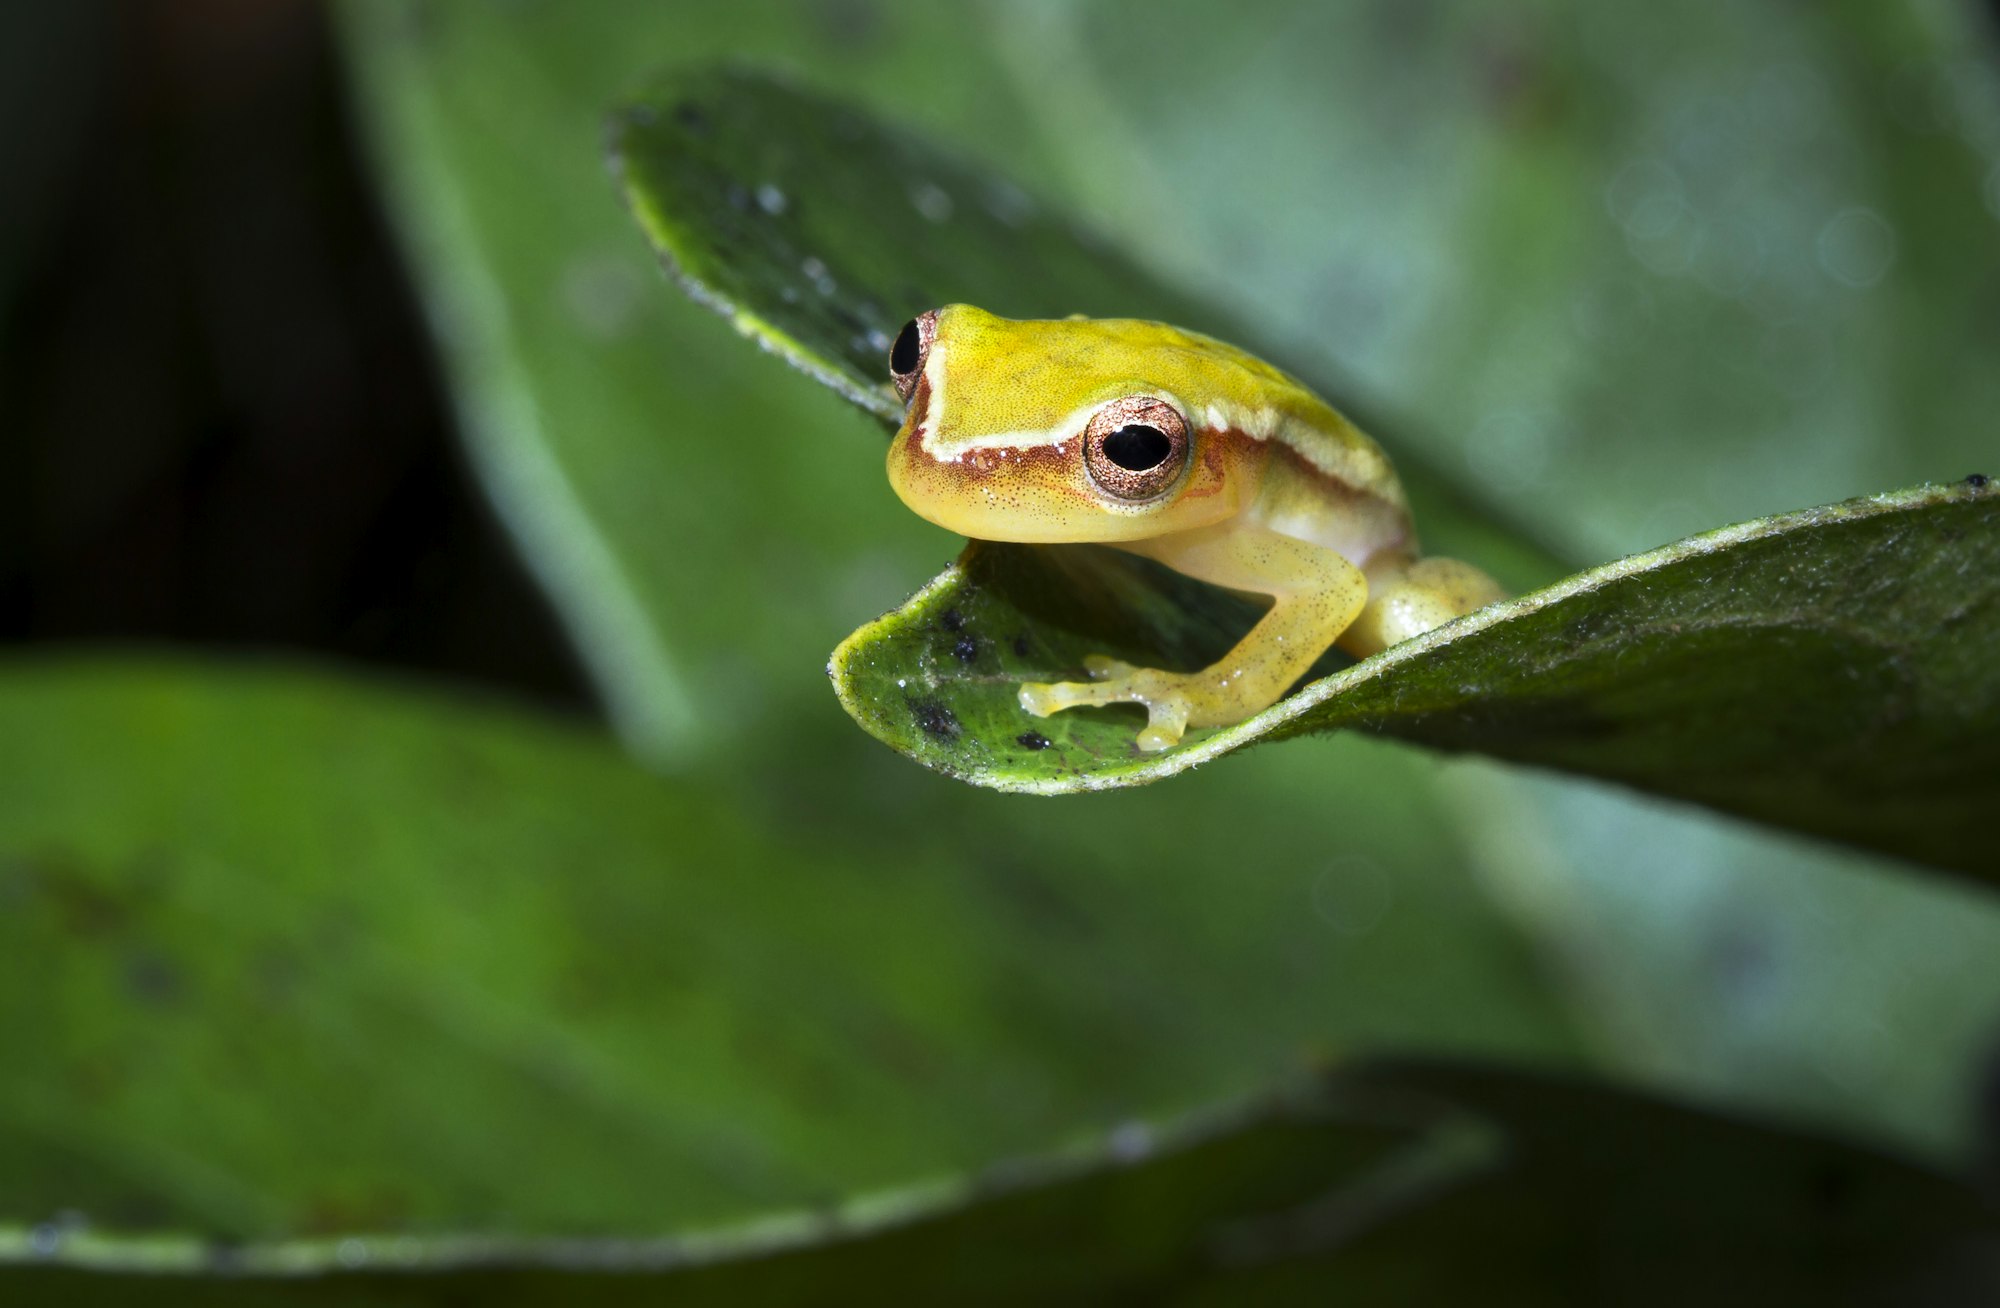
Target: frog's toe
pixel 1161 694
pixel 1102 667
pixel 1042 698
pixel 1166 719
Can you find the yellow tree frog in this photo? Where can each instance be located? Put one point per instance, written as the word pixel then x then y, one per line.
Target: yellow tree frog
pixel 1183 449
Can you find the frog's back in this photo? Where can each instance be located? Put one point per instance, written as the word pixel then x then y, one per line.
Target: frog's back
pixel 1231 391
pixel 1248 396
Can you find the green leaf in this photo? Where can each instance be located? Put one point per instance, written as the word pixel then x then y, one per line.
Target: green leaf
pixel 1808 670
pixel 292 955
pixel 1349 1187
pixel 1827 671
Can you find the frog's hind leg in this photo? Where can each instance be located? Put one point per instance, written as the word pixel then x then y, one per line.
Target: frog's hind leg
pixel 1315 594
pixel 1407 599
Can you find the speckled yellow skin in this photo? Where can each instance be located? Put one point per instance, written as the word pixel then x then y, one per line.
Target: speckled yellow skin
pixel 1280 495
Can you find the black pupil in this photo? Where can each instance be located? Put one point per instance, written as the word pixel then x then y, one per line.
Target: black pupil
pixel 1138 447
pixel 903 354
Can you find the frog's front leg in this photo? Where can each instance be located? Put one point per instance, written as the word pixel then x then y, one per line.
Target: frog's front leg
pixel 1316 594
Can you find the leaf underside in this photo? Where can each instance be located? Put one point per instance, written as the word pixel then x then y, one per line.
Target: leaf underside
pixel 1828 671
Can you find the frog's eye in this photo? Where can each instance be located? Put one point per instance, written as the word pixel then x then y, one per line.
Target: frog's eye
pixel 1136 448
pixel 912 347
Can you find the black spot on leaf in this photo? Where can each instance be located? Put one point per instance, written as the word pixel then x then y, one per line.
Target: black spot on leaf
pixel 935 719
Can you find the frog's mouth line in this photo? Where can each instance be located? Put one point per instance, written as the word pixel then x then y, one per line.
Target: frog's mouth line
pixel 1051 501
pixel 1002 495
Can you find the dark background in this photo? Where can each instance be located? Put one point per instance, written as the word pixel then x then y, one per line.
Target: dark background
pixel 206 312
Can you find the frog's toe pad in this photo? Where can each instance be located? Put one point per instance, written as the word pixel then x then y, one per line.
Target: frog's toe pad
pixel 1161 693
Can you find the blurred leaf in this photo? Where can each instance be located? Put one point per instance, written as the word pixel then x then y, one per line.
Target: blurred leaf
pixel 1383 1184
pixel 1808 670
pixel 288 955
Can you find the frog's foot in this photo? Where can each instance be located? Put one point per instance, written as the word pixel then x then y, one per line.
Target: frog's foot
pixel 1165 695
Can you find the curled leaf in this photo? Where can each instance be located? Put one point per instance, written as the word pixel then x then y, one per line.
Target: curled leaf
pixel 1828 670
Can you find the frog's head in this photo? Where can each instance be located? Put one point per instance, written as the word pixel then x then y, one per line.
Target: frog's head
pixel 1068 430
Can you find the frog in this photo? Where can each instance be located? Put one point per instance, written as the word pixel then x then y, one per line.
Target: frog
pixel 1179 448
